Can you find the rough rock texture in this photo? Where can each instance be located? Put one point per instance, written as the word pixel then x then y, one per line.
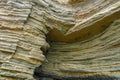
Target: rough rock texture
pixel 84 36
pixel 84 20
pixel 97 56
pixel 89 55
pixel 22 41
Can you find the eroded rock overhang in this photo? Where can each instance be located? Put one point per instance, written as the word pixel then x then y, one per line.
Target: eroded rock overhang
pixel 70 22
pixel 24 25
pixel 78 59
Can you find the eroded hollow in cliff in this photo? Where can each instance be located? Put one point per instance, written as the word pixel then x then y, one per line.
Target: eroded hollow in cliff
pixel 70 55
pixel 85 33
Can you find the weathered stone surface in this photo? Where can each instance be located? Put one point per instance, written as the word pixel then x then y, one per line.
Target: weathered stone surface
pixel 21 41
pixel 89 54
pixel 24 25
pixel 20 53
pixel 92 15
pixel 96 56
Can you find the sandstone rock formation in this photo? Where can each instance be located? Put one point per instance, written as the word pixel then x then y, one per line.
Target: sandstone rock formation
pixel 21 39
pixel 68 39
pixel 97 56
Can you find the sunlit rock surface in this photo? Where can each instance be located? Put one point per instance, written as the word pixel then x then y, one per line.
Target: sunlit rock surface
pixel 22 41
pixel 97 56
pixel 84 38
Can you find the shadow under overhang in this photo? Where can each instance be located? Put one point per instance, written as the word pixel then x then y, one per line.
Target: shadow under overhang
pixel 85 33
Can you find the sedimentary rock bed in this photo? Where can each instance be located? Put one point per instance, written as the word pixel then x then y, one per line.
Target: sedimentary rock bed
pixel 83 37
pixel 97 56
pixel 85 43
pixel 22 41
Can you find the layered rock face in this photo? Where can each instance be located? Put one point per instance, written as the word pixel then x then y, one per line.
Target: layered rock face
pixel 84 38
pixel 84 41
pixel 22 41
pixel 97 56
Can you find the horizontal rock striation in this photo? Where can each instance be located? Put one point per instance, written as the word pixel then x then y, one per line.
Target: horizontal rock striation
pixel 92 16
pixel 97 56
pixel 22 40
pixel 83 34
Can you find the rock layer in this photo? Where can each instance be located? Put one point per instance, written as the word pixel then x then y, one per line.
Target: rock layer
pixel 24 25
pixel 22 41
pixel 88 52
pixel 97 56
